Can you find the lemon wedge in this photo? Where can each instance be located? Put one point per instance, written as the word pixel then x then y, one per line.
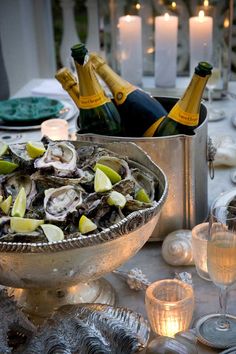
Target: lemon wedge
pixel 142 196
pixel 111 174
pixel 53 232
pixel 24 225
pixel 7 167
pixel 116 199
pixel 86 225
pixel 19 206
pixel 6 204
pixel 35 149
pixel 102 183
pixel 3 148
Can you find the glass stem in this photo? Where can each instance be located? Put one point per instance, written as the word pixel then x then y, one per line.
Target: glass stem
pixel 222 322
pixel 210 98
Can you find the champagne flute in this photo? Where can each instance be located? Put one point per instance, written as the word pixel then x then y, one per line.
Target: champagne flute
pixel 213 82
pixel 219 330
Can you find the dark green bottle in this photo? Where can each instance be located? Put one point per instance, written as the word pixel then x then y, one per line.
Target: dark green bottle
pixel 137 109
pixel 184 116
pixel 97 112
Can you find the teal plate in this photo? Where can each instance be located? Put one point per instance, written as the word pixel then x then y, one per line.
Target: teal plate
pixel 27 109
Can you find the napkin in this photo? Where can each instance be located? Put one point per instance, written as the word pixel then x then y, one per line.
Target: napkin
pixel 50 88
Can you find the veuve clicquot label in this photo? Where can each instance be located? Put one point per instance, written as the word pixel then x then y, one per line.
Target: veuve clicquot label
pixel 93 101
pixel 185 118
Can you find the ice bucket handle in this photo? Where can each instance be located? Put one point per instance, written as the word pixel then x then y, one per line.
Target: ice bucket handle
pixel 211 151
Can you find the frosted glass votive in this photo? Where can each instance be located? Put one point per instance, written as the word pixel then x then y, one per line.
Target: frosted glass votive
pixel 169 305
pixel 199 247
pixel 55 129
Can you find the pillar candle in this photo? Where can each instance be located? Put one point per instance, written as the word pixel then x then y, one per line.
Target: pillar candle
pixel 200 39
pixel 130 32
pixel 166 28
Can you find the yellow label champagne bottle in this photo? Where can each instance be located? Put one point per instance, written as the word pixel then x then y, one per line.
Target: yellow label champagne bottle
pixel 69 84
pixel 183 118
pixel 137 109
pixel 98 114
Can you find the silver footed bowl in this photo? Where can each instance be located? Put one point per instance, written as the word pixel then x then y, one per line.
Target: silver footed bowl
pixel 45 276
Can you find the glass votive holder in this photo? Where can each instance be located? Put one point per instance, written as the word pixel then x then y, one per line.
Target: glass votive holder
pixel 199 247
pixel 55 129
pixel 169 305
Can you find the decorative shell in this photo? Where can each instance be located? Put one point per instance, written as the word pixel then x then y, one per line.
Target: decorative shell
pixel 162 345
pixel 91 329
pixel 177 248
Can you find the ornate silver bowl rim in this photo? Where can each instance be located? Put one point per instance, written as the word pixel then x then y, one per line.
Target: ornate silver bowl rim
pixel 130 223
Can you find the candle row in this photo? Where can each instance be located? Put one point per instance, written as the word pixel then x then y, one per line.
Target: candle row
pixel 166 29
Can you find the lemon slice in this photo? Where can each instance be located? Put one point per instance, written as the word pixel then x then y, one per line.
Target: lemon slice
pixel 102 183
pixel 6 204
pixel 7 167
pixel 112 174
pixel 3 148
pixel 86 225
pixel 53 232
pixel 117 199
pixel 142 196
pixel 24 225
pixel 19 206
pixel 35 149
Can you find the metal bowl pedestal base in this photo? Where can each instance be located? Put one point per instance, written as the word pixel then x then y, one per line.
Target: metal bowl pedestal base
pixel 39 304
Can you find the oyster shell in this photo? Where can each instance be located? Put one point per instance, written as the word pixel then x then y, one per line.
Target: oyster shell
pixel 11 184
pixel 144 180
pixel 20 154
pixel 61 156
pixel 59 202
pixel 91 329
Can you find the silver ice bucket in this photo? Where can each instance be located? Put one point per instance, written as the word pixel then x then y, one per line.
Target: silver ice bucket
pixel 184 161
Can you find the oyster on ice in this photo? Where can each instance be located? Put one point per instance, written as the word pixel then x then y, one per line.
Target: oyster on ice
pixel 61 156
pixel 59 202
pixel 12 183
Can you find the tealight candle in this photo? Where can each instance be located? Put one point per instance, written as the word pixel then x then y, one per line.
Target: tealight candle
pixel 166 50
pixel 169 304
pixel 130 32
pixel 200 39
pixel 55 129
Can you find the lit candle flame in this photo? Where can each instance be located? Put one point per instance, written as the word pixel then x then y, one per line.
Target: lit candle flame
pixel 206 3
pixel 173 4
pixel 166 16
pixel 138 6
pixel 226 22
pixel 201 15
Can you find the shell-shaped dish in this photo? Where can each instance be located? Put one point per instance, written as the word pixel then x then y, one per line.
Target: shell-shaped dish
pixel 94 328
pixel 177 248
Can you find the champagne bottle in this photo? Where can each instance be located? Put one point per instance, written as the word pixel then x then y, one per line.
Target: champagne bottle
pixel 69 84
pixel 184 116
pixel 137 109
pixel 98 114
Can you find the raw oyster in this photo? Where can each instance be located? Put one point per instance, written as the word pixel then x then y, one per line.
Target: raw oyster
pixel 95 329
pixel 11 184
pixel 61 156
pixel 117 164
pixel 20 154
pixel 144 180
pixel 59 202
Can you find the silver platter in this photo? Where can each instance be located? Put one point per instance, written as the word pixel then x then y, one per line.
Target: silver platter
pixel 229 351
pixel 202 337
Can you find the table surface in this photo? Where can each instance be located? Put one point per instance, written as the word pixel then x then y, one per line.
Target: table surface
pixel 149 258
